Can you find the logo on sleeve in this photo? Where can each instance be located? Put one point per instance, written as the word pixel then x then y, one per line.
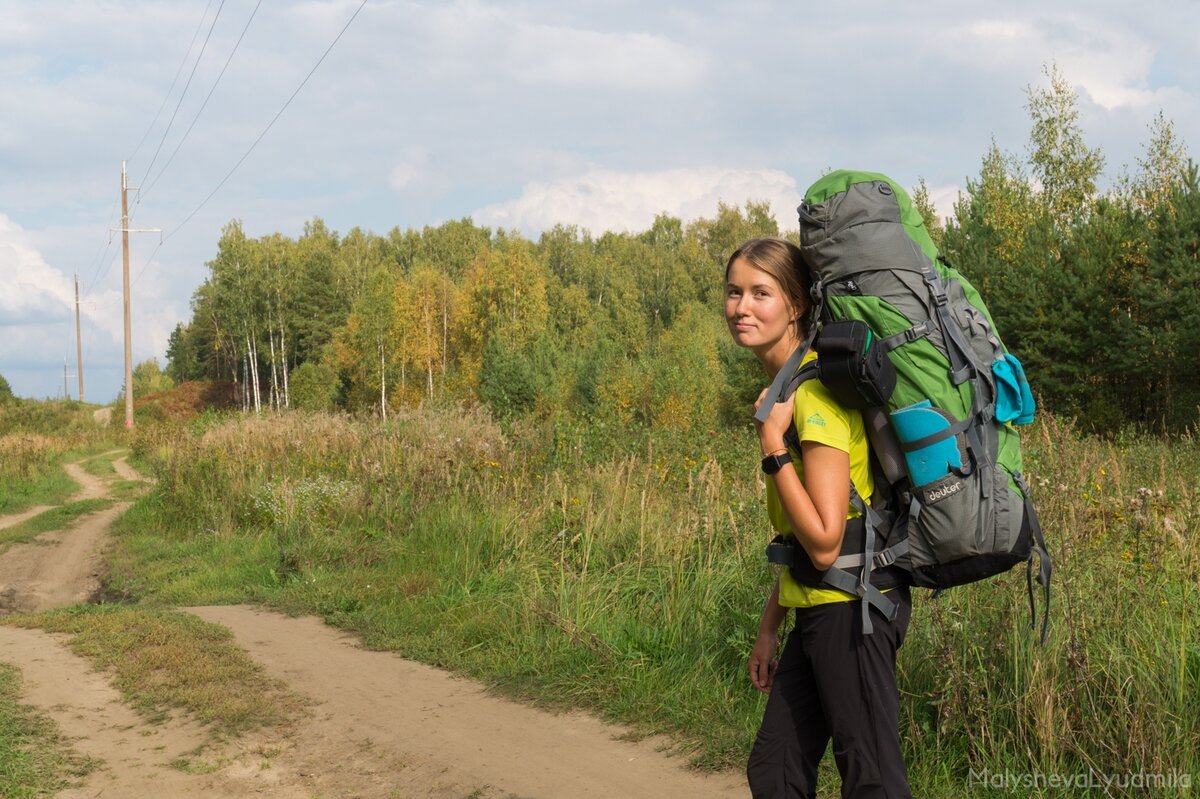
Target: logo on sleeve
pixel 816 419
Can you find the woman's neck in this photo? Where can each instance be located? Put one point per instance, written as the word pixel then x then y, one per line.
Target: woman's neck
pixel 776 356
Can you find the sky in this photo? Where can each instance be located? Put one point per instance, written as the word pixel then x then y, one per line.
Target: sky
pixel 519 115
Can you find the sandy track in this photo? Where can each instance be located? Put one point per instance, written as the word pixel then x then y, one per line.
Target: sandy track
pixel 380 727
pixel 452 726
pixel 28 513
pixel 136 757
pixel 58 568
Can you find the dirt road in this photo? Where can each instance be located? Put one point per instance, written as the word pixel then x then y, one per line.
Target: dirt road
pixel 380 726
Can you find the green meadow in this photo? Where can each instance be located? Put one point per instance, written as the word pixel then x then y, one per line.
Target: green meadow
pixel 630 584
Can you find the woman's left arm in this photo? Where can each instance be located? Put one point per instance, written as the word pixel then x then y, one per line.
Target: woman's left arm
pixel 816 508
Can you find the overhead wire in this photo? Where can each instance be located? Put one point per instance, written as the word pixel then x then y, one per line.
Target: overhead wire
pixel 101 267
pixel 269 124
pixel 207 97
pixel 101 250
pixel 183 93
pixel 178 72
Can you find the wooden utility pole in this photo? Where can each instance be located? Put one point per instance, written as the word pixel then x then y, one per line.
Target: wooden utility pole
pixel 125 285
pixel 66 395
pixel 125 231
pixel 78 340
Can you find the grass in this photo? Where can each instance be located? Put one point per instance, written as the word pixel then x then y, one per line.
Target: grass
pixel 56 518
pixel 99 466
pixel 631 585
pixel 31 472
pixel 627 579
pixel 35 760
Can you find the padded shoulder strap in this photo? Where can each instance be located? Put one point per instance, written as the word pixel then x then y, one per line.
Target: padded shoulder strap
pixel 784 384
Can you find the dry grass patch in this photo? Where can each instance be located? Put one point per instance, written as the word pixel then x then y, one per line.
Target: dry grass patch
pixel 162 661
pixel 35 760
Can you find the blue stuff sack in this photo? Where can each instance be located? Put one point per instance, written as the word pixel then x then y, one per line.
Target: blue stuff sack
pixel 1014 400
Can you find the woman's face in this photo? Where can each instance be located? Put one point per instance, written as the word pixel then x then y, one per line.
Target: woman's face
pixel 759 315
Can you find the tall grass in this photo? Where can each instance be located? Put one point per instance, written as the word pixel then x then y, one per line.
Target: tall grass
pixel 632 584
pixel 31 471
pixel 35 439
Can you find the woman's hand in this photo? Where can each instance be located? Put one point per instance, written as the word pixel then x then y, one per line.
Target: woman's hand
pixel 762 660
pixel 771 432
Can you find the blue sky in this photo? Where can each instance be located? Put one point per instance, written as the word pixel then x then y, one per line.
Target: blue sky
pixel 517 114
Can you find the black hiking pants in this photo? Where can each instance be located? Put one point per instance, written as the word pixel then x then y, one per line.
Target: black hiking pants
pixel 835 683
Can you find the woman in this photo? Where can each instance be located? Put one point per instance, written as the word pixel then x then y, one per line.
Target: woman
pixel 832 682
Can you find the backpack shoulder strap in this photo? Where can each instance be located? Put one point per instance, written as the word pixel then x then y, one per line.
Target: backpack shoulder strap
pixel 785 383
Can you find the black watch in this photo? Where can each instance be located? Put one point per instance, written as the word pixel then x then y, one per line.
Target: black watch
pixel 773 463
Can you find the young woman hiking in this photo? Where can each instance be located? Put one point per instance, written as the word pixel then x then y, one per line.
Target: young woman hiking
pixel 832 682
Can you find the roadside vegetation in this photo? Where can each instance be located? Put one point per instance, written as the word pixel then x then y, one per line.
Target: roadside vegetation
pixel 630 585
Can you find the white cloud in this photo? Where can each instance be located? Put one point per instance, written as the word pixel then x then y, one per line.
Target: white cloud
pixel 37 323
pixel 1106 59
pixel 602 200
pixel 470 36
pixel 412 167
pixel 943 199
pixel 544 54
pixel 30 291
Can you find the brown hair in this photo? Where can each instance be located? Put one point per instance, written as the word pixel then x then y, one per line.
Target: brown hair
pixel 781 260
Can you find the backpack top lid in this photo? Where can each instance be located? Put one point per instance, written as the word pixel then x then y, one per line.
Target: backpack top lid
pixel 866 214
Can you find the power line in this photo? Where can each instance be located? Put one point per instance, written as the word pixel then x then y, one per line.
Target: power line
pixel 269 124
pixel 174 80
pixel 102 250
pixel 208 97
pixel 183 94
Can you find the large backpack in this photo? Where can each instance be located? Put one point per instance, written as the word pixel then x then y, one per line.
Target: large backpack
pixel 942 438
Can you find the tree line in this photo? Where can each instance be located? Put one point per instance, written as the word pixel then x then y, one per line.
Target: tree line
pixel 1097 292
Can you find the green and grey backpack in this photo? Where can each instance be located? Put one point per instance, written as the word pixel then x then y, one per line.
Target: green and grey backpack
pixel 942 427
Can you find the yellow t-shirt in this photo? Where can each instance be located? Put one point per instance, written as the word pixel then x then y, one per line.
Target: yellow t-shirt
pixel 820 419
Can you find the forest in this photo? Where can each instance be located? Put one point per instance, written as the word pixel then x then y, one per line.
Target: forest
pixel 1098 292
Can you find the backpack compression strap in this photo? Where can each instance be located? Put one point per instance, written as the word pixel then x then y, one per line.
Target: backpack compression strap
pixel 861 586
pixel 1045 567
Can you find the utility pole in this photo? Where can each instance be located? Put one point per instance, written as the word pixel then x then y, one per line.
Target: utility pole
pixel 125 231
pixel 125 286
pixel 78 340
pixel 66 396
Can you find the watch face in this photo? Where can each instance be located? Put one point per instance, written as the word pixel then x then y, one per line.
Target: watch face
pixel 773 463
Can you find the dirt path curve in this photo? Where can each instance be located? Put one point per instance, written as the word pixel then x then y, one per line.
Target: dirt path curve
pixel 58 568
pixel 452 727
pixel 127 472
pixel 90 487
pixel 381 727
